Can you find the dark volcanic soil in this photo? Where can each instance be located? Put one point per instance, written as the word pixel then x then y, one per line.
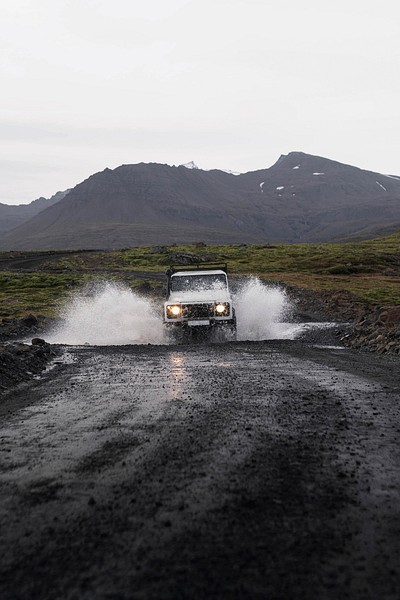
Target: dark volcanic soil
pixel 21 362
pixel 242 470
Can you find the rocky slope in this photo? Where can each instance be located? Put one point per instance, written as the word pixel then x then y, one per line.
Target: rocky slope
pixel 21 361
pixel 377 331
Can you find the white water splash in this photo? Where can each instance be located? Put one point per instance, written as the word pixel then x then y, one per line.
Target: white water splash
pixel 109 314
pixel 261 312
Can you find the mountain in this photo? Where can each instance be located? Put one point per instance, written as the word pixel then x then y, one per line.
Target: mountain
pixel 301 198
pixel 11 216
pixel 319 199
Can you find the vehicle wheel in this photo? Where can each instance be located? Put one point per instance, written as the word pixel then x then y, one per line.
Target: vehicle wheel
pixel 225 333
pixel 231 333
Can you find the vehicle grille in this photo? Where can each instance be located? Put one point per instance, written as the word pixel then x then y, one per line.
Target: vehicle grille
pixel 198 311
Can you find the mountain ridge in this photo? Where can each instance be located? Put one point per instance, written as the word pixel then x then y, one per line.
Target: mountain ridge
pixel 300 198
pixel 12 215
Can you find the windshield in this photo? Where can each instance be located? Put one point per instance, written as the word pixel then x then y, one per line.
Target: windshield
pixel 189 283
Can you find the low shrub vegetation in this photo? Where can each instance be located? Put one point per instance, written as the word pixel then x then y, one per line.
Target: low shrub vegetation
pixel 370 270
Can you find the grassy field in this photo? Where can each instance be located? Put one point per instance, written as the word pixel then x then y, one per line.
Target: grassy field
pixel 38 293
pixel 369 269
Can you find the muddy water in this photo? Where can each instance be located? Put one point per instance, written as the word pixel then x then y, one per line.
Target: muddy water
pixel 233 470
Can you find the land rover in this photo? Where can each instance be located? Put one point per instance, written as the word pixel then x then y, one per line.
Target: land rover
pixel 198 300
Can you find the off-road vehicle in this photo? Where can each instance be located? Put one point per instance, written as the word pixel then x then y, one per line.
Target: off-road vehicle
pixel 199 301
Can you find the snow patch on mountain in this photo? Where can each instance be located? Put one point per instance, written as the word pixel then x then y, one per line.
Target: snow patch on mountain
pixel 230 172
pixel 190 165
pixel 392 177
pixel 381 186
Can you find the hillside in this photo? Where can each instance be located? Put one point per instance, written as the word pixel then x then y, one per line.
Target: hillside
pixel 11 216
pixel 301 198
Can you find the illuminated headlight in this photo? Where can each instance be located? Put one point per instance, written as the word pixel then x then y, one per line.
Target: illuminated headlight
pixel 173 310
pixel 222 308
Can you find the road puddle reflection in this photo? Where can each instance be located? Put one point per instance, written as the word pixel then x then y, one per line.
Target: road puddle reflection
pixel 178 381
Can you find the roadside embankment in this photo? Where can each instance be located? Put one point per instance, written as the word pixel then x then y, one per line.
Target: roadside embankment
pixel 340 306
pixel 377 331
pixel 371 328
pixel 20 362
pixel 14 328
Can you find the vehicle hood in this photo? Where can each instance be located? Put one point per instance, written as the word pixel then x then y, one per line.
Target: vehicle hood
pixel 203 296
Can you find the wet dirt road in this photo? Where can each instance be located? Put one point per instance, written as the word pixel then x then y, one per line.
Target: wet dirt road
pixel 242 470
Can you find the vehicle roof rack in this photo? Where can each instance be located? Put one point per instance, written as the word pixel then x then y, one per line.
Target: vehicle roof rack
pixel 206 266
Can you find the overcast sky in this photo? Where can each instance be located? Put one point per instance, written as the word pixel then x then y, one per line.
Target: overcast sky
pixel 230 84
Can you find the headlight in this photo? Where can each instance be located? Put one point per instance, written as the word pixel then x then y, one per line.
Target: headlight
pixel 174 310
pixel 222 308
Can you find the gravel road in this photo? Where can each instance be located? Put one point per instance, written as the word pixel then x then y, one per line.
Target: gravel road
pixel 244 470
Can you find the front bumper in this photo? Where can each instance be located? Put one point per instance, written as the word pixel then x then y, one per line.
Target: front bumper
pixel 197 311
pixel 200 323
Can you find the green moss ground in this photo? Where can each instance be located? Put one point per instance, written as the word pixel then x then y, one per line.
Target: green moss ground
pixel 368 269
